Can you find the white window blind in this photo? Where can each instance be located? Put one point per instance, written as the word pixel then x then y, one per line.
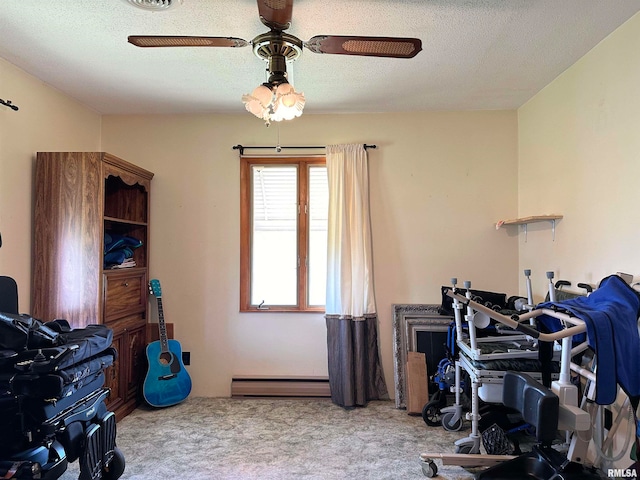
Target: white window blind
pixel 274 235
pixel 318 213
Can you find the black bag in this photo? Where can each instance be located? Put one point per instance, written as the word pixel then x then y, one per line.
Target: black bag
pixel 62 382
pixel 14 332
pixel 18 332
pixel 73 347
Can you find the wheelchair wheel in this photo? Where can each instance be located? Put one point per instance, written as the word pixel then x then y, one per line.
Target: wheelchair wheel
pixel 431 413
pixel 115 469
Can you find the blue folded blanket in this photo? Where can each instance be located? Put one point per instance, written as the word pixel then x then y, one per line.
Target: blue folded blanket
pixel 117 248
pixel 113 241
pixel 611 316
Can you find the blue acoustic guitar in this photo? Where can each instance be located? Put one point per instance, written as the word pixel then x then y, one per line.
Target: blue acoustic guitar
pixel 167 382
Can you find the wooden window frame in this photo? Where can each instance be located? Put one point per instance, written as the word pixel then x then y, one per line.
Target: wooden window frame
pixel 303 232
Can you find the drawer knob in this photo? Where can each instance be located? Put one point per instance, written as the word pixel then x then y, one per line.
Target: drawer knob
pixel 125 284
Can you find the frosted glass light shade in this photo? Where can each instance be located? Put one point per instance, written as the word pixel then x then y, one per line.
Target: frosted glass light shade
pixel 263 94
pixel 259 101
pixel 274 105
pixel 288 103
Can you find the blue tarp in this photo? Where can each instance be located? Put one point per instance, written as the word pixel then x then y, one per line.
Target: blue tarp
pixel 611 316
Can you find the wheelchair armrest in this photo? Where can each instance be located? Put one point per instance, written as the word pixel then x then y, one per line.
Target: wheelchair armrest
pixel 573 418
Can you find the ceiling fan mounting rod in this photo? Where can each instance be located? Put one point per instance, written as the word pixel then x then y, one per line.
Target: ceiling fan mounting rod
pixel 277 43
pixel 277 70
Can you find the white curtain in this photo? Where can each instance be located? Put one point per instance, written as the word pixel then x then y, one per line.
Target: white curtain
pixel 355 371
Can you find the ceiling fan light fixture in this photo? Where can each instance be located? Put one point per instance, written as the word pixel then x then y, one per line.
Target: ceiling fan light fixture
pixel 274 103
pixel 154 5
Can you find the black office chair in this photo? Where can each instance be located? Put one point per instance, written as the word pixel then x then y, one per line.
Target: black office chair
pixel 539 407
pixel 8 295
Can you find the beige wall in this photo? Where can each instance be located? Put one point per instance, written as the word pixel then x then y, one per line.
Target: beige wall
pixel 45 121
pixel 579 155
pixel 439 181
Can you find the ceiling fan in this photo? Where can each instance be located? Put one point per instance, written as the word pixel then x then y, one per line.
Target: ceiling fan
pixel 276 99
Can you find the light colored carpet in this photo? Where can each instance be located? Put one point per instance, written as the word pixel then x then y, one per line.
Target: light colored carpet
pixel 311 439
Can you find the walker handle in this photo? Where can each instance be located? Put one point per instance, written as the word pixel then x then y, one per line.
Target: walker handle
pixel 586 286
pixel 525 328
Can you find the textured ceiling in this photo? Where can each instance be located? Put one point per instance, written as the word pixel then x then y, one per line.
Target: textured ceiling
pixel 477 54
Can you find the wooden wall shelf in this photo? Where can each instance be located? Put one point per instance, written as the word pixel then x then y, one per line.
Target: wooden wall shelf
pixel 524 221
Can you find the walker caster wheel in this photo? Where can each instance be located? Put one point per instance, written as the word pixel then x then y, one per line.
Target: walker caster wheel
pixel 464 449
pixel 449 424
pixel 429 469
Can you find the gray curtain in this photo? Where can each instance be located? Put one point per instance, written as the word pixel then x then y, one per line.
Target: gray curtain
pixel 355 370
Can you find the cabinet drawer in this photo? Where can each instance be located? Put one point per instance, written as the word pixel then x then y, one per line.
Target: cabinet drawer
pixel 125 293
pixel 124 324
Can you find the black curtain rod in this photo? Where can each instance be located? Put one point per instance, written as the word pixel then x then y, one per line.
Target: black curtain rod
pixel 8 104
pixel 278 147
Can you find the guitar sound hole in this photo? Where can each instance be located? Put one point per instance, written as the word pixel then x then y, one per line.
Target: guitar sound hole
pixel 165 358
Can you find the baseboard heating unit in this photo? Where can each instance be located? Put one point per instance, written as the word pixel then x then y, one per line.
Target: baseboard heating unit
pixel 257 386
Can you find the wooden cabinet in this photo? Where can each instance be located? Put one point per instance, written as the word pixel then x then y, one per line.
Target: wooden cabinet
pixel 126 376
pixel 81 198
pixel 114 379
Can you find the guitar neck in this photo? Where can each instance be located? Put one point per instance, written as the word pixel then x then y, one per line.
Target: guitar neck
pixel 162 327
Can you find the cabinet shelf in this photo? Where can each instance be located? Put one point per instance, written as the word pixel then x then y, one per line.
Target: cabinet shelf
pixel 124 221
pixel 524 221
pixel 112 271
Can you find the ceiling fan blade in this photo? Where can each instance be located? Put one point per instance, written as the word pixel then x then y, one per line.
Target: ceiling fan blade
pixel 276 14
pixel 395 47
pixel 178 41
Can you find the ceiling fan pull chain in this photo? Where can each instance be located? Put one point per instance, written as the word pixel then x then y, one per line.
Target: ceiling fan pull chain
pixel 278 147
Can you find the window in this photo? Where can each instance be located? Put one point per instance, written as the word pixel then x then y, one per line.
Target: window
pixel 283 233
